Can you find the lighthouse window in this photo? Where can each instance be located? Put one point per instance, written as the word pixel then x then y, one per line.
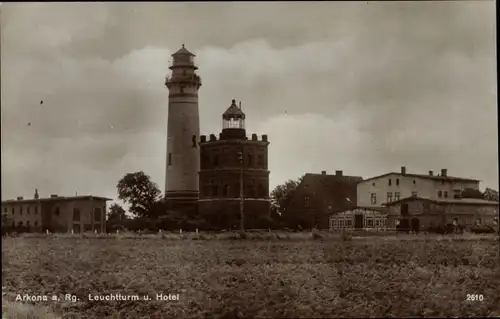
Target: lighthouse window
pixel 193 140
pixel 169 158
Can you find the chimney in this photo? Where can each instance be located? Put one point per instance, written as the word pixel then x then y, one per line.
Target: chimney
pixel 53 196
pixel 431 173
pixel 36 194
pixel 444 172
pixel 240 105
pixel 338 173
pixel 403 170
pixel 19 198
pixel 323 172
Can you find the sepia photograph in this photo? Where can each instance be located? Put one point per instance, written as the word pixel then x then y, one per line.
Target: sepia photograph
pixel 309 159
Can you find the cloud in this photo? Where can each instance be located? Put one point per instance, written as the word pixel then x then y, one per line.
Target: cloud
pixel 363 88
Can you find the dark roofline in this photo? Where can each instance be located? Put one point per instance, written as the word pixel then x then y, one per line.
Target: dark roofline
pixel 461 201
pixel 59 198
pixel 338 176
pixel 434 177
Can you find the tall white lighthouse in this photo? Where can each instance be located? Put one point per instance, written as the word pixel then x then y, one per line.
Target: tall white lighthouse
pixel 183 157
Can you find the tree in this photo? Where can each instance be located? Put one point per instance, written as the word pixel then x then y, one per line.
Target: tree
pixel 491 194
pixel 117 218
pixel 142 194
pixel 280 196
pixel 472 193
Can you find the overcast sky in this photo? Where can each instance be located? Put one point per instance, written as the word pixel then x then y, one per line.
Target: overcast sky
pixel 361 87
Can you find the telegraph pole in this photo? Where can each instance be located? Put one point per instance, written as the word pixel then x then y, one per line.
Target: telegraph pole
pixel 242 216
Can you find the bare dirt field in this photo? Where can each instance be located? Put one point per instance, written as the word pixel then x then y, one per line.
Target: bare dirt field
pixel 400 276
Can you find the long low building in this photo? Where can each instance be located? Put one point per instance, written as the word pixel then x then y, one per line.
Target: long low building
pixel 431 212
pixel 359 218
pixel 56 213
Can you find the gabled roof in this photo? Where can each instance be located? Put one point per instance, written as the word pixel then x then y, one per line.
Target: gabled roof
pixel 233 111
pixel 433 177
pixel 183 51
pixel 448 201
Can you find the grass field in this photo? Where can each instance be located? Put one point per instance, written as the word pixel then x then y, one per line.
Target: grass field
pixel 400 276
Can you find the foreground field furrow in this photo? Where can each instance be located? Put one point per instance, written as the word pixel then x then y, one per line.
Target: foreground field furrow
pixel 261 279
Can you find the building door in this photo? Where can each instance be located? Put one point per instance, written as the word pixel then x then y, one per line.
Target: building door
pixel 404 209
pixel 415 224
pixel 358 221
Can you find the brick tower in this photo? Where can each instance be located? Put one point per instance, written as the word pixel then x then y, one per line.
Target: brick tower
pixel 228 162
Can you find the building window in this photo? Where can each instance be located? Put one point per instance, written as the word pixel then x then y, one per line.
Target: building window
pixel 390 182
pixel 251 191
pixel 306 201
pixel 204 161
pixel 349 223
pixel 369 222
pixel 193 141
pixel 445 194
pixel 260 160
pixel 5 210
pixel 250 160
pixel 169 158
pixel 56 212
pixel 414 193
pixel 20 224
pixel 87 227
pixel 440 194
pixel 478 222
pixel 237 190
pixel 373 198
pixel 36 223
pixel 397 196
pixel 76 214
pixel 21 210
pixel 97 214
pixel 373 184
pixel 397 181
pixel 215 191
pixel 389 197
pixel 28 223
pixel 13 210
pixel 76 228
pixel 216 160
pixel 414 182
pixel 456 193
pixel 262 191
pixel 225 190
pixel 36 210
